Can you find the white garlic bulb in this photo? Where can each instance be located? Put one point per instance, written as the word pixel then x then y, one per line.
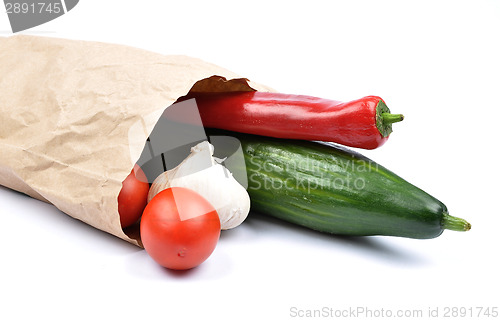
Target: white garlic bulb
pixel 201 173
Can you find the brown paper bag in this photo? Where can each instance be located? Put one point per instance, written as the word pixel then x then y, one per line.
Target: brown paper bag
pixel 68 110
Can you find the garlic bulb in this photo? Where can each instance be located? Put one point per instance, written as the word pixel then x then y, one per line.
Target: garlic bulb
pixel 201 173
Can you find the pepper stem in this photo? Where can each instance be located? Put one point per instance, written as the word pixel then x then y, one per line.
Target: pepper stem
pixel 454 223
pixel 384 118
pixel 388 118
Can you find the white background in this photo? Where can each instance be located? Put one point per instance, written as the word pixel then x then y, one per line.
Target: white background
pixel 437 62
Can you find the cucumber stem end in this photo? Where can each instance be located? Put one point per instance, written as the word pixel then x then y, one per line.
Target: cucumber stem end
pixel 455 223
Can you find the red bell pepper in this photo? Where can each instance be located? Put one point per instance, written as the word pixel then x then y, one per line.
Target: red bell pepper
pixel 363 123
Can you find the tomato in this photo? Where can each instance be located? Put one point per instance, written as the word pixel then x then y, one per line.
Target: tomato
pixel 179 228
pixel 133 197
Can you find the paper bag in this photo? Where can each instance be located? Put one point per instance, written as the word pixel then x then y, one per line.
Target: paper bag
pixel 69 114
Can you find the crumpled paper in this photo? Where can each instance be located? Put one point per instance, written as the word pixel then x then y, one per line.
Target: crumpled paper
pixel 68 109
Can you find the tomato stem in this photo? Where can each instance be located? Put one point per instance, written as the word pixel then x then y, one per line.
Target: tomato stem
pixel 455 223
pixel 388 118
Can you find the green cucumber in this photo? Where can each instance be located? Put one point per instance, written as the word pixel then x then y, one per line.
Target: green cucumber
pixel 332 189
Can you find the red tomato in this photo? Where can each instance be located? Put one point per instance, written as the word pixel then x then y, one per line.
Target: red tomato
pixel 133 197
pixel 179 228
